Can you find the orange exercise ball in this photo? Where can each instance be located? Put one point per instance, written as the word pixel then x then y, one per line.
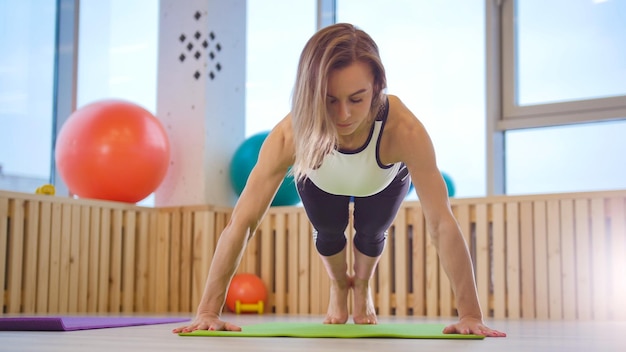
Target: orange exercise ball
pixel 112 150
pixel 247 289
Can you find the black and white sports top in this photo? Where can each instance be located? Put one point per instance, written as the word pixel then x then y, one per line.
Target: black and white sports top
pixel 359 172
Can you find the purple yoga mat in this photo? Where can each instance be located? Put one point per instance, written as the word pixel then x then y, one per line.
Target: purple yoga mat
pixel 77 323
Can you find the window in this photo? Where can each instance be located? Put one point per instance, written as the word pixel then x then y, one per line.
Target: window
pixel 573 158
pixel 434 58
pixel 564 61
pixel 577 56
pixel 27 43
pixel 117 55
pixel 273 51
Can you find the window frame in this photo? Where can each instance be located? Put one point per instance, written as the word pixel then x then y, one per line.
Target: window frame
pixel 502 112
pixel 515 116
pixel 65 79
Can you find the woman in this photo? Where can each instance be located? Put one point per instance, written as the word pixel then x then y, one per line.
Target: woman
pixel 346 138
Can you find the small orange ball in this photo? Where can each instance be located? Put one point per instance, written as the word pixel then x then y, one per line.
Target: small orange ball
pixel 247 289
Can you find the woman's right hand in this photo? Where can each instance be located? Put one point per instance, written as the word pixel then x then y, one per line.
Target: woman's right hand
pixel 207 322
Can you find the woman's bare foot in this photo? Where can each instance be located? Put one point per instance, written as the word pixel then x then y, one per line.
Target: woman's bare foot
pixel 338 303
pixel 364 311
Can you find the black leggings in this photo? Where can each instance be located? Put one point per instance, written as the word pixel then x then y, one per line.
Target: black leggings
pixel 372 215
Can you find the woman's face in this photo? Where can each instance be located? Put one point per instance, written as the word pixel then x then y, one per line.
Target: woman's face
pixel 350 92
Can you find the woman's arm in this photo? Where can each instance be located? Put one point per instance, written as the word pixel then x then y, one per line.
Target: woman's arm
pixel 412 145
pixel 275 158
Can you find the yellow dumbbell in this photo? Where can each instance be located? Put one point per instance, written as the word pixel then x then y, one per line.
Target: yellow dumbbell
pixel 248 307
pixel 46 189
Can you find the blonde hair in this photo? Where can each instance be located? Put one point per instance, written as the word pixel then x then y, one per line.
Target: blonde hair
pixel 333 47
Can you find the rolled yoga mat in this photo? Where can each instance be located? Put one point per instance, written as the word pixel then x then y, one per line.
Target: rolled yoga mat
pixel 314 330
pixel 77 323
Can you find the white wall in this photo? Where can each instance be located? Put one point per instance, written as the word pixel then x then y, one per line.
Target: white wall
pixel 204 116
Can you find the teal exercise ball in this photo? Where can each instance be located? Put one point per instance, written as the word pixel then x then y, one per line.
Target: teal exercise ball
pixel 449 184
pixel 243 162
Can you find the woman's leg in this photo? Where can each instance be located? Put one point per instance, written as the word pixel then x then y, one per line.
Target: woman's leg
pixel 328 214
pixel 373 216
pixel 340 285
pixel 364 311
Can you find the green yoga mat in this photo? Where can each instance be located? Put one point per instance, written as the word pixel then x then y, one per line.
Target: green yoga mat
pixel 314 330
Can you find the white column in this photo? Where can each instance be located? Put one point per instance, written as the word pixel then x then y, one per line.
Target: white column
pixel 201 97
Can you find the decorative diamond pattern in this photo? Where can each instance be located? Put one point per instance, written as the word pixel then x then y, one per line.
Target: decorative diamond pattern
pixel 207 45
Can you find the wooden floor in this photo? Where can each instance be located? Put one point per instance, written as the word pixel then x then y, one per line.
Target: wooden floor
pixel 523 335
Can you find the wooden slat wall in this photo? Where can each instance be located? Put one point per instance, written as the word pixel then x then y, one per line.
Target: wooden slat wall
pixel 539 257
